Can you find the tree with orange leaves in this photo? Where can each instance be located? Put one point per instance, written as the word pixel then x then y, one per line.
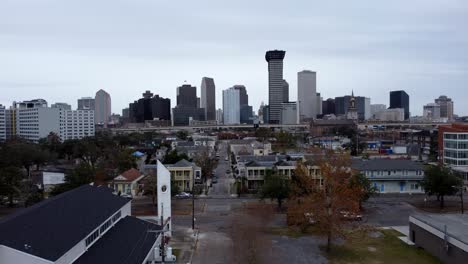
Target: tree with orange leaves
pixel 324 198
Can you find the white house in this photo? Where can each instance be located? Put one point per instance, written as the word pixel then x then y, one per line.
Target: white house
pixel 86 225
pixel 392 175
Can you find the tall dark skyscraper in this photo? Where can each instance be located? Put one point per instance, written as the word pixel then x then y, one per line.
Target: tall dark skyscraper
pixel 149 108
pixel 243 96
pixel 328 106
pixel 208 98
pixel 275 84
pixel 400 99
pixel 187 95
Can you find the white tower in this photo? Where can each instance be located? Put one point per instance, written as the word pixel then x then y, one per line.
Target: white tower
pixel 164 195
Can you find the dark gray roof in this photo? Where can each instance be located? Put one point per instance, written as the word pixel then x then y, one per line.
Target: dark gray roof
pixel 185 144
pixel 54 226
pixel 386 165
pixel 181 163
pixel 127 242
pixel 266 158
pixel 260 163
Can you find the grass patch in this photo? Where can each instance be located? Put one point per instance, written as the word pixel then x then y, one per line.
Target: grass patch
pixel 176 252
pixel 295 232
pixel 388 249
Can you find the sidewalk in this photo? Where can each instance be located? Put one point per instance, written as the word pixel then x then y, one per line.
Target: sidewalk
pixel 183 243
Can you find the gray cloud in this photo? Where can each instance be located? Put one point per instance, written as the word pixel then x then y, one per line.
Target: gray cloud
pixel 62 50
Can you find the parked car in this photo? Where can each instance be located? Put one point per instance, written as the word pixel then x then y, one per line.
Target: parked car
pixel 214 179
pixel 351 216
pixel 183 195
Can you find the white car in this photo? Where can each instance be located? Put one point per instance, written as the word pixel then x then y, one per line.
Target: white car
pixel 183 195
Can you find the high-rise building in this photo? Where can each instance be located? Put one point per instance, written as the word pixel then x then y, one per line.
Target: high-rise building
pixel 453 147
pixel 307 94
pixel 275 84
pixel 318 104
pixel 102 108
pixel 231 106
pixel 187 95
pixel 126 112
pixel 243 96
pixel 208 98
pixel 362 106
pixel 245 109
pixel 289 113
pixel 431 111
pixel 246 116
pixel 3 119
pixel 187 108
pixel 34 120
pixel 446 107
pixel 149 108
pixel 400 99
pixel 183 115
pixel 76 124
pixel 391 114
pixel 86 103
pixel 219 116
pixel 63 106
pixel 285 91
pixel 328 106
pixel 375 108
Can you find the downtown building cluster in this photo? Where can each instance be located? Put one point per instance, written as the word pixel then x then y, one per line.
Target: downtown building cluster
pixel 191 110
pixel 35 119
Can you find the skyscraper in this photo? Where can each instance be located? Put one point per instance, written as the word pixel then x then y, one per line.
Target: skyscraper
pixel 149 108
pixel 275 84
pixel 446 107
pixel 3 122
pixel 231 106
pixel 362 104
pixel 328 106
pixel 431 111
pixel 400 99
pixel 307 94
pixel 187 108
pixel 102 107
pixel 187 95
pixel 86 103
pixel 208 98
pixel 243 96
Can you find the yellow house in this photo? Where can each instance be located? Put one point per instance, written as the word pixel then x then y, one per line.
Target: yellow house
pixel 183 173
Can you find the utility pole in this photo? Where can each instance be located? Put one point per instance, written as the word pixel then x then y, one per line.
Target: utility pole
pixel 193 201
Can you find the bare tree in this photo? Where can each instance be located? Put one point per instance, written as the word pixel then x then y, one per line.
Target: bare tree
pixel 326 199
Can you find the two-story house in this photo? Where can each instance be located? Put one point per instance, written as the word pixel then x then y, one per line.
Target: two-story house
pixel 392 175
pixel 184 173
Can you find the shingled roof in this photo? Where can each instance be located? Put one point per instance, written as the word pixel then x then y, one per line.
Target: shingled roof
pixel 51 228
pixel 127 242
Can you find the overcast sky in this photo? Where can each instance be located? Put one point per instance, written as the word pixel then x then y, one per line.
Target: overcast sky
pixel 62 50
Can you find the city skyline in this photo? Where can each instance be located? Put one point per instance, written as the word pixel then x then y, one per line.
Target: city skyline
pixel 423 53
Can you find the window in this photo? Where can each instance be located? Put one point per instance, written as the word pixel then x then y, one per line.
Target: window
pixel 414 186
